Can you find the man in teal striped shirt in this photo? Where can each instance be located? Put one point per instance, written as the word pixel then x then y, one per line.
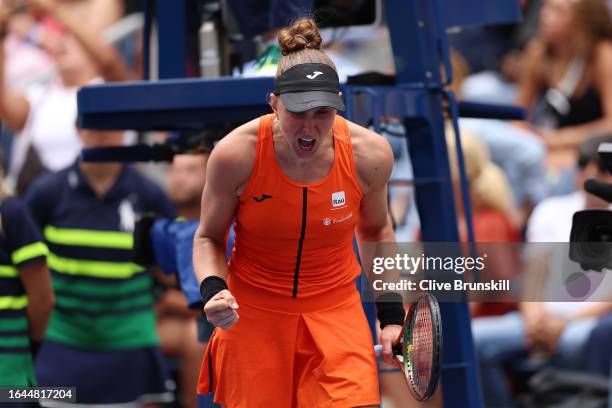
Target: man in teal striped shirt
pixel 101 337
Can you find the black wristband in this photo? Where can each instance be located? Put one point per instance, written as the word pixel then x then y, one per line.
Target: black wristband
pixel 390 309
pixel 210 286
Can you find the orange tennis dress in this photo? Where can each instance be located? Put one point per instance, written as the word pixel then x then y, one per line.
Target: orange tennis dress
pixel 302 339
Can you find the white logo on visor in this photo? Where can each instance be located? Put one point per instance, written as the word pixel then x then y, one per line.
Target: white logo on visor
pixel 338 199
pixel 314 75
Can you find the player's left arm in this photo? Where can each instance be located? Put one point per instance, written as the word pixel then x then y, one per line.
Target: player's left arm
pixel 374 163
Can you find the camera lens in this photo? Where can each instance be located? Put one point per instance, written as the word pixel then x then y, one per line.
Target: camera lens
pixel 602 233
pixel 591 239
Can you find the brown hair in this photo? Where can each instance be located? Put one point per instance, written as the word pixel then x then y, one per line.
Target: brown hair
pixel 595 23
pixel 300 43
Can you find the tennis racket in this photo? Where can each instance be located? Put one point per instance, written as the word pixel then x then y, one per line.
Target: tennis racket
pixel 419 348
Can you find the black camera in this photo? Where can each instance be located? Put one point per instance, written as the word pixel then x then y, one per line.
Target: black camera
pixel 591 236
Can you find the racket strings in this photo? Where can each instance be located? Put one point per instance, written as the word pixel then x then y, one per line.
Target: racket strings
pixel 421 353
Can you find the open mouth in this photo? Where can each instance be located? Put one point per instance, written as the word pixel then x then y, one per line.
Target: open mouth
pixel 306 144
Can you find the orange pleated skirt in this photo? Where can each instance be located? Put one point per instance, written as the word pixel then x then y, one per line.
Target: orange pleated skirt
pixel 292 352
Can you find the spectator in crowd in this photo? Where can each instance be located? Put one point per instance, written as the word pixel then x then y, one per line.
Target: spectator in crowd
pixel 495 63
pixel 492 214
pixel 32 37
pixel 565 80
pixel 557 329
pixel 598 348
pixel 44 117
pixel 598 351
pixel 95 14
pixel 101 338
pixel 185 183
pixel 518 152
pixel 490 193
pixel 26 295
pixel 176 323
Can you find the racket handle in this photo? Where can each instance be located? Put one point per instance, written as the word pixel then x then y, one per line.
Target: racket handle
pixel 397 350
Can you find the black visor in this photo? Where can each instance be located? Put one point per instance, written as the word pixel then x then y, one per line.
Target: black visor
pixel 306 86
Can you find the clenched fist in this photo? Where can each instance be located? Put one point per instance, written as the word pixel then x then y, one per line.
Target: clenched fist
pixel 220 310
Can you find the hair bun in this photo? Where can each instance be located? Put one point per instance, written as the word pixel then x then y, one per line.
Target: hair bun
pixel 303 33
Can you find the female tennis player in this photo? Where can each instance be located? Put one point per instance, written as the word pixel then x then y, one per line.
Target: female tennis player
pixel 298 183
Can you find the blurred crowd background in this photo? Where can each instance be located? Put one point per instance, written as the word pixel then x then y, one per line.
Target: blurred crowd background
pixel 525 177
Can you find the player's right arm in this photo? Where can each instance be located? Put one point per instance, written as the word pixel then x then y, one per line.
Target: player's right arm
pixel 228 171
